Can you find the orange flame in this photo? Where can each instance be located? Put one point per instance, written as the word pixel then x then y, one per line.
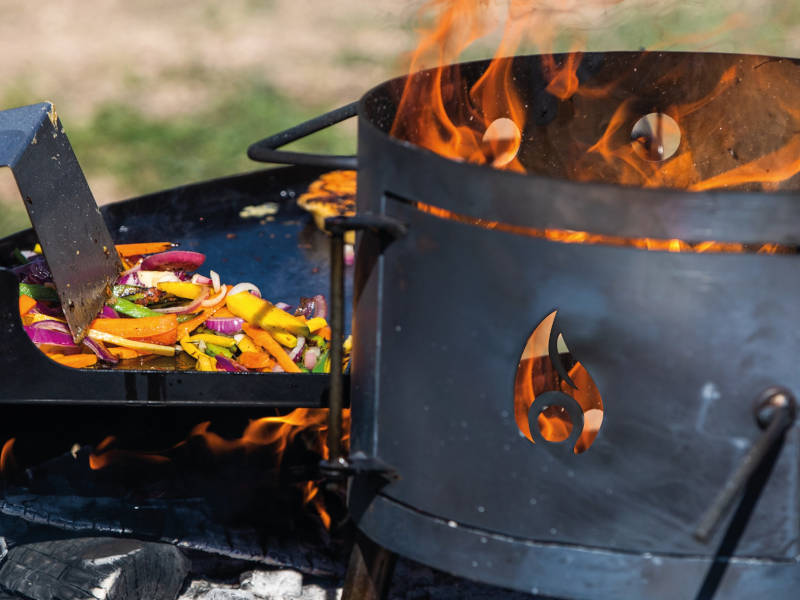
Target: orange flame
pixel 443 111
pixel 276 432
pixel 568 236
pixel 7 461
pixel 536 375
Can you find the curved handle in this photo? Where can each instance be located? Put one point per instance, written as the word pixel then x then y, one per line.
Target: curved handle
pixel 775 412
pixel 266 150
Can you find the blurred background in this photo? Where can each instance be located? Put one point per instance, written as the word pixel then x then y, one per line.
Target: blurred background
pixel 155 94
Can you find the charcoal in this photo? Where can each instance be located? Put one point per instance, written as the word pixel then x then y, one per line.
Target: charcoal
pixel 94 569
pixel 187 523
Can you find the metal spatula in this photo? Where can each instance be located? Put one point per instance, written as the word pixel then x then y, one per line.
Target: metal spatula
pixel 74 238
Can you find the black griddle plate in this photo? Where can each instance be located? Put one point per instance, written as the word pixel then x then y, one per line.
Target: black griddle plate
pixel 283 254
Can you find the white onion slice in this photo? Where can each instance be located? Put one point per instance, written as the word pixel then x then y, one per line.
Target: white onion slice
pixel 298 348
pixel 215 280
pixel 200 279
pixel 186 308
pixel 214 299
pixel 153 278
pixel 245 286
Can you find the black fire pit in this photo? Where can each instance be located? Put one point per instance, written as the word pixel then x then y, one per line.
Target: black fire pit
pixel 680 345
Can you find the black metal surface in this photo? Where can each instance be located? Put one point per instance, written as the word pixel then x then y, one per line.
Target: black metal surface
pixel 286 257
pixel 336 397
pixel 677 344
pixel 781 407
pixel 61 207
pixel 266 150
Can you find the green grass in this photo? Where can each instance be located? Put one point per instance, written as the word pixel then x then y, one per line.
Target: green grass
pixel 144 153
pixel 12 218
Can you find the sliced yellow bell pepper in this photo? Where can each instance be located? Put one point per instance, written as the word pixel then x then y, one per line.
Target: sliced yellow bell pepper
pixel 126 343
pixel 246 344
pixel 206 363
pixel 287 340
pixel 316 324
pixel 264 314
pixel 181 289
pixel 210 338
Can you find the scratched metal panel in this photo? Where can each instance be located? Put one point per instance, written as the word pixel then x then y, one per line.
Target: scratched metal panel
pixel 678 344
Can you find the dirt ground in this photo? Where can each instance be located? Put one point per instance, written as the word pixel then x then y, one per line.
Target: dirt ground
pixel 170 56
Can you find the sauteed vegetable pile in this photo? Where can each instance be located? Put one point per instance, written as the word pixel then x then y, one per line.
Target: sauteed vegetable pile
pixel 161 306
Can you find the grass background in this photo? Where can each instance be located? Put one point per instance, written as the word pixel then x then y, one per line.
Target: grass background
pixel 154 96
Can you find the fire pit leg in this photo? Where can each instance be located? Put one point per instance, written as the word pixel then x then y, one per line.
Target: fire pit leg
pixel 369 572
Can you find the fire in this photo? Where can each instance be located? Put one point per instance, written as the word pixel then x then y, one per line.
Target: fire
pixel 738 123
pixel 7 461
pixel 275 432
pixel 567 236
pixel 537 375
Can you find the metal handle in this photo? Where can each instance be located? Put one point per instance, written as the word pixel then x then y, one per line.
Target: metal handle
pixel 266 150
pixel 775 413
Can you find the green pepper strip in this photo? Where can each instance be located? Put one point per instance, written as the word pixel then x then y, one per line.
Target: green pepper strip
pixel 38 292
pixel 126 307
pixel 126 290
pixel 213 350
pixel 320 366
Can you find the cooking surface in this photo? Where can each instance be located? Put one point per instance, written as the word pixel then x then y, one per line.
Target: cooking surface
pixel 286 257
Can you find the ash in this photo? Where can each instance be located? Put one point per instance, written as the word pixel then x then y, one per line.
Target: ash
pixel 411 581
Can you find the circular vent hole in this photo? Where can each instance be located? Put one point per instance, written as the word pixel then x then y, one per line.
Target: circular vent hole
pixel 554 423
pixel 656 137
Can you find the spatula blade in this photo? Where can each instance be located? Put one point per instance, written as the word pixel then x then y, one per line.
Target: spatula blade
pixel 75 240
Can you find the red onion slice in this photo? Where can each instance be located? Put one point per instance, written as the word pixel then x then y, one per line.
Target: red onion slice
pixel 320 306
pixel 215 280
pixel 47 335
pixel 295 352
pixel 201 279
pixel 311 357
pixel 226 325
pixel 185 308
pixel 174 260
pixel 108 313
pixel 226 364
pixel 100 350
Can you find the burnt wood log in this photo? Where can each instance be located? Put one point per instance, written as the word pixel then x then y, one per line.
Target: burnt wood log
pixel 95 568
pixel 185 523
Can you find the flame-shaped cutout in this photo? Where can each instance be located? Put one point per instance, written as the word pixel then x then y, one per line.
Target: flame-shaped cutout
pixel 555 391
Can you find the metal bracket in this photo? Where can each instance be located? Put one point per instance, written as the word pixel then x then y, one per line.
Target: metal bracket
pixel 338 466
pixel 358 464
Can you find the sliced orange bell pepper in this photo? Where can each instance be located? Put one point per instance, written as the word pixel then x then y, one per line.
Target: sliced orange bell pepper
pixel 187 327
pixel 143 248
pixel 256 360
pixel 144 327
pixel 167 338
pixel 25 304
pixel 123 353
pixel 266 341
pixel 76 361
